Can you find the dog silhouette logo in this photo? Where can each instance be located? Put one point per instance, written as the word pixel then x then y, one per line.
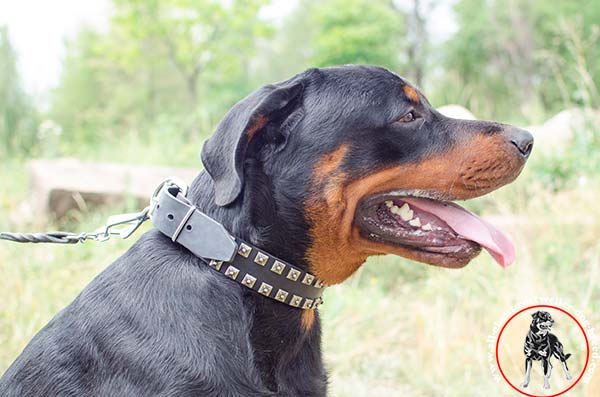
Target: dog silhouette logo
pixel 541 350
pixel 542 345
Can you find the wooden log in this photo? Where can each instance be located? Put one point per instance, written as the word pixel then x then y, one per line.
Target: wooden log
pixel 61 185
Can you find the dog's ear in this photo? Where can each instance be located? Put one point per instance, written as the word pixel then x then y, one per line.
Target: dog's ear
pixel 536 314
pixel 224 153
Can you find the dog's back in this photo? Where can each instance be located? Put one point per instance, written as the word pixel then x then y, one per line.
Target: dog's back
pixel 144 326
pixel 557 348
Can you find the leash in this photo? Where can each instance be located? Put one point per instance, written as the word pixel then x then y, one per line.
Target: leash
pixel 132 221
pixel 176 217
pixel 122 225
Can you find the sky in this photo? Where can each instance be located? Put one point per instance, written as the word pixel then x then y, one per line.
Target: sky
pixel 38 30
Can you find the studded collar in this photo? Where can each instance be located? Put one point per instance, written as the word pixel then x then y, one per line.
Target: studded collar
pixel 176 217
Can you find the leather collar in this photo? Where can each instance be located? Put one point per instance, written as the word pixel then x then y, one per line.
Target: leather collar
pixel 176 217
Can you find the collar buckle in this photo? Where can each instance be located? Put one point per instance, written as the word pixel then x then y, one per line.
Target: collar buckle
pixel 172 183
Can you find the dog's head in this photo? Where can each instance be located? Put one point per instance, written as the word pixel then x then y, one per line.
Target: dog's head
pixel 353 161
pixel 542 322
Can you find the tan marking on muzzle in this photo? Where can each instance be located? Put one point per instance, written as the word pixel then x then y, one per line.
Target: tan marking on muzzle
pixel 469 169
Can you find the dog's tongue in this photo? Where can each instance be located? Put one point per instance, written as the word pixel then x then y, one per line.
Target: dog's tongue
pixel 471 227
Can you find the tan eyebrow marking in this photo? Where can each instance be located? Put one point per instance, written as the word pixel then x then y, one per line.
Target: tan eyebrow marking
pixel 411 93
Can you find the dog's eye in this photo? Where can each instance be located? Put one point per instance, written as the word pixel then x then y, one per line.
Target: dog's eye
pixel 408 117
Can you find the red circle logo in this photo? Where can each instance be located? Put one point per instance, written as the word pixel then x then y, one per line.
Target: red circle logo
pixel 535 337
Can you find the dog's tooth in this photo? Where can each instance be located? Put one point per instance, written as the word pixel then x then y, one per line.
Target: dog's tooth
pixel 395 210
pixel 389 203
pixel 406 213
pixel 415 222
pixel 427 227
pixel 406 216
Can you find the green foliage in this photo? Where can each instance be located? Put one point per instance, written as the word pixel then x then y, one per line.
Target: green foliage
pixel 185 61
pixel 577 164
pixel 17 118
pixel 80 103
pixel 334 32
pixel 531 57
pixel 356 31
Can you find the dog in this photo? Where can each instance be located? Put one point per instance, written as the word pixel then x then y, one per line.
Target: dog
pixel 322 170
pixel 541 345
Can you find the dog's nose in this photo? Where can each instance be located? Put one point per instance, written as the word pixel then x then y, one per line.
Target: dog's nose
pixel 523 140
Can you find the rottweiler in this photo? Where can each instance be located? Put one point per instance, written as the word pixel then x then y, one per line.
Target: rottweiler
pixel 322 170
pixel 541 345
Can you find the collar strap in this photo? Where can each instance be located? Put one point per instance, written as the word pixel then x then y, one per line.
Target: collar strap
pixel 176 217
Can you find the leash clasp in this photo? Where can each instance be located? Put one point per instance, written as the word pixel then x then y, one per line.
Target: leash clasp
pixel 122 225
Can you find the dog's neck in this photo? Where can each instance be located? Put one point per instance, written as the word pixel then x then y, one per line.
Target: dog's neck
pixel 290 331
pixel 254 217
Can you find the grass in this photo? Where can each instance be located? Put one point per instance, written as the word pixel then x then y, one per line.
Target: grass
pixel 396 327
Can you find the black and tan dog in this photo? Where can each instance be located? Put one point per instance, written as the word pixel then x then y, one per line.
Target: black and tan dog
pixel 541 345
pixel 322 170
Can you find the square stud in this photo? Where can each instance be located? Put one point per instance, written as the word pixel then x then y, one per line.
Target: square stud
pixel 295 301
pixel 308 279
pixel 281 295
pixel 277 267
pixel 244 250
pixel 293 274
pixel 232 272
pixel 265 289
pixel 307 304
pixel 318 301
pixel 261 258
pixel 249 280
pixel 215 264
pixel 319 284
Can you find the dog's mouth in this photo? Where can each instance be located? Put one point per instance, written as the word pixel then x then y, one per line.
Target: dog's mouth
pixel 441 232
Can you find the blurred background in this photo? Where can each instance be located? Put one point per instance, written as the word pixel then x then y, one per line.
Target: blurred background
pixel 119 86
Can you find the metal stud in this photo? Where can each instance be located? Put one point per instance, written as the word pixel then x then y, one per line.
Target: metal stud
pixel 318 302
pixel 295 301
pixel 244 250
pixel 308 279
pixel 293 274
pixel 265 289
pixel 277 267
pixel 319 284
pixel 249 280
pixel 281 295
pixel 261 259
pixel 232 272
pixel 307 304
pixel 215 264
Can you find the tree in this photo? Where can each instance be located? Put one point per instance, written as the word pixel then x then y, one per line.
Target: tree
pixel 205 40
pixel 507 53
pixel 417 36
pixel 356 31
pixel 17 121
pixel 173 63
pixel 336 32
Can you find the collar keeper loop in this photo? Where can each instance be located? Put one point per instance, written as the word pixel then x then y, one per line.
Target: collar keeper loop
pixel 184 220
